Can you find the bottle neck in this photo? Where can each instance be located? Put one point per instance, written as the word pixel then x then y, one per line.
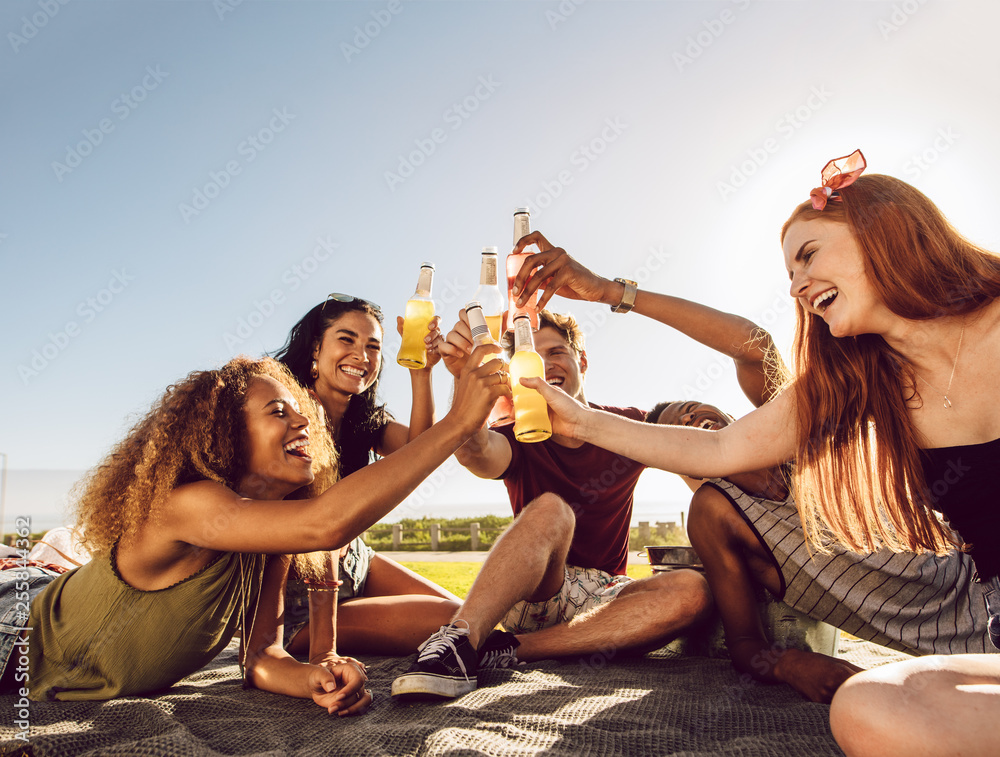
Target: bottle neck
pixel 488 271
pixel 477 325
pixel 522 226
pixel 425 282
pixel 523 339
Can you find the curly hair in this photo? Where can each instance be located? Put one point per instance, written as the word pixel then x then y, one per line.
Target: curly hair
pixel 365 417
pixel 195 432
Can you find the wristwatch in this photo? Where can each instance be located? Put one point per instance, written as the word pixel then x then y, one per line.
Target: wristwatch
pixel 628 296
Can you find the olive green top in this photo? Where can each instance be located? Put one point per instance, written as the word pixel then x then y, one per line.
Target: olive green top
pixel 96 637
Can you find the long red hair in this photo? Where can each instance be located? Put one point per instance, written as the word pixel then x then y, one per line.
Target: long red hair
pixel 858 471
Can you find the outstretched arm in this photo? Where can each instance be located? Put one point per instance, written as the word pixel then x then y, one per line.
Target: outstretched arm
pixel 208 514
pixel 750 346
pixel 761 439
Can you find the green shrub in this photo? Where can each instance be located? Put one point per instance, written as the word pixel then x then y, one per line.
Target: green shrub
pixel 417 537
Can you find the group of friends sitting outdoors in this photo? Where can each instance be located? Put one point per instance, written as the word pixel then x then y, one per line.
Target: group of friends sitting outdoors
pixel 856 492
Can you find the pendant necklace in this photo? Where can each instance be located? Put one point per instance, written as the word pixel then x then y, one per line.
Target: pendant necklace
pixel 954 365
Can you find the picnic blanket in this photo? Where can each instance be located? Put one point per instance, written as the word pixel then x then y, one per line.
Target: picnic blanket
pixel 660 704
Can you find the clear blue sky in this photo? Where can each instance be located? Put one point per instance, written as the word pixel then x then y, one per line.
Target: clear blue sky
pixel 172 170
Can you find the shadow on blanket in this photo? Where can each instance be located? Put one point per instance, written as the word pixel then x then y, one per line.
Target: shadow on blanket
pixel 661 704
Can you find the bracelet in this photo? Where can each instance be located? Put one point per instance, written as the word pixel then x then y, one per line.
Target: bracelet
pixel 628 296
pixel 314 585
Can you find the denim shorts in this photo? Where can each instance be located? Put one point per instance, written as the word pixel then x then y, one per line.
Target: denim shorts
pixel 583 589
pixel 18 588
pixel 353 572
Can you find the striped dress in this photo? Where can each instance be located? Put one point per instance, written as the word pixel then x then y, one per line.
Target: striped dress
pixel 919 604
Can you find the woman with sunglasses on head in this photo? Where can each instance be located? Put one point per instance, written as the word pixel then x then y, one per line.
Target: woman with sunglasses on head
pixel 335 351
pixel 189 520
pixel 888 419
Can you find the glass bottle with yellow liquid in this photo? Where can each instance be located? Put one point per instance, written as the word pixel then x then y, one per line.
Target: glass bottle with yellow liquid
pixel 531 413
pixel 489 296
pixel 502 413
pixel 419 312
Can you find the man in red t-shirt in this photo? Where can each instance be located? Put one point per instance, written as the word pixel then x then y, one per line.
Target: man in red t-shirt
pixel 556 579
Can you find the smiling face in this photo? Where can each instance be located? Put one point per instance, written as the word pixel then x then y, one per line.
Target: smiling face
pixel 563 366
pixel 694 414
pixel 829 279
pixel 349 354
pixel 277 442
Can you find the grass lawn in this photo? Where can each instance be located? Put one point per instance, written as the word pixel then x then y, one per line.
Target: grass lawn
pixel 457 577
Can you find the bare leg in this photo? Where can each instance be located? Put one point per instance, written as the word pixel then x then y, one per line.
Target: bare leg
pixel 394 625
pixel 527 562
pixel 735 561
pixel 645 615
pixel 388 578
pixel 925 707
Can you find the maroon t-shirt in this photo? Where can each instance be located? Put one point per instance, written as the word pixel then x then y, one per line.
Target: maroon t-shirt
pixel 597 484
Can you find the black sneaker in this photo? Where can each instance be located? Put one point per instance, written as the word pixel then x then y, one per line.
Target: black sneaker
pixel 446 666
pixel 499 651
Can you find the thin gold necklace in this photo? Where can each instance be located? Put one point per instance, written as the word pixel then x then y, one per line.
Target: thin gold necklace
pixel 954 365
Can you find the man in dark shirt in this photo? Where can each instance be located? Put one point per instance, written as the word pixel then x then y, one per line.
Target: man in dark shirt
pixel 556 579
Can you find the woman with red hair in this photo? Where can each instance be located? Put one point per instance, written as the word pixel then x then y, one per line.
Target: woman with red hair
pixel 891 417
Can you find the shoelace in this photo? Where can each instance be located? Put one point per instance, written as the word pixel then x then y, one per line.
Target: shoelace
pixel 442 641
pixel 499 658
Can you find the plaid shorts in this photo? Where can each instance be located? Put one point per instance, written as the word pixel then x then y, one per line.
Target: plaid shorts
pixel 583 589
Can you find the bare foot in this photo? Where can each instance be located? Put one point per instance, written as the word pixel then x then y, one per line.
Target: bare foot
pixel 815 676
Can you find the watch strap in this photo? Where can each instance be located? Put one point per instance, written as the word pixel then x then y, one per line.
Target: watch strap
pixel 628 296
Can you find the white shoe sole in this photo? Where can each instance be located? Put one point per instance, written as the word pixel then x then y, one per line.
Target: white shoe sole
pixel 424 685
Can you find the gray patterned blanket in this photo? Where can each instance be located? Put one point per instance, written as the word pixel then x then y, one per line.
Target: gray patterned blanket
pixel 660 704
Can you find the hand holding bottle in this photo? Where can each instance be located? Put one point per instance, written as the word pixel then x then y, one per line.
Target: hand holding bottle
pixel 419 311
pixel 477 389
pixel 432 341
pixel 555 271
pixel 457 345
pixel 566 413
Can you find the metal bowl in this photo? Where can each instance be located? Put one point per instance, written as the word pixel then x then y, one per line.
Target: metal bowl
pixel 669 558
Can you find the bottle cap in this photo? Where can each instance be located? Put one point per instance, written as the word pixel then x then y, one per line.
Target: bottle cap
pixel 490 250
pixel 427 265
pixel 473 304
pixel 524 209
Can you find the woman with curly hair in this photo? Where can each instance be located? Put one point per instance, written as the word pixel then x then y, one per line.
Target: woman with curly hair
pixel 335 351
pixel 226 470
pixel 888 419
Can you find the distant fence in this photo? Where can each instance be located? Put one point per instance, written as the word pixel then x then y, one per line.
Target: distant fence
pixel 434 532
pixel 663 528
pixel 409 537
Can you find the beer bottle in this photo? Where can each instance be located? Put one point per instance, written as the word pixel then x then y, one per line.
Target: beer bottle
pixel 502 413
pixel 531 414
pixel 522 227
pixel 419 312
pixel 489 295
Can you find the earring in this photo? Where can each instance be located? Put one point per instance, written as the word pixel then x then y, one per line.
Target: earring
pixel 314 370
